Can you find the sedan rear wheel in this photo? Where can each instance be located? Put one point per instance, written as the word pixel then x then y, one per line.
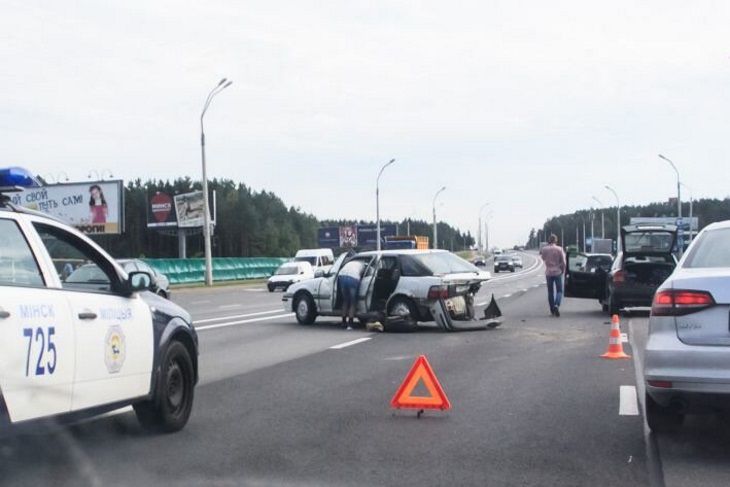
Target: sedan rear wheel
pixel 405 320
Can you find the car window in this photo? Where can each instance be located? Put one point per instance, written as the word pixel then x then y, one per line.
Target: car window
pixel 440 263
pixel 648 241
pixel 712 249
pixel 18 266
pixel 410 267
pixel 96 274
pixel 129 267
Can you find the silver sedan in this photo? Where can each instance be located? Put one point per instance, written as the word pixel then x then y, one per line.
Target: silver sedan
pixel 687 358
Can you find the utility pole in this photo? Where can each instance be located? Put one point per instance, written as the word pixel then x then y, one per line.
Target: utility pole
pixel 435 227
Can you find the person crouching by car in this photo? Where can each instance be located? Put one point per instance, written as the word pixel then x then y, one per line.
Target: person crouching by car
pixel 348 280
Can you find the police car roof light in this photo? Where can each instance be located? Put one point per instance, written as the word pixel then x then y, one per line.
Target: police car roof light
pixel 16 178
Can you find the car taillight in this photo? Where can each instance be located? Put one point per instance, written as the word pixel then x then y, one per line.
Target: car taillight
pixel 619 277
pixel 664 384
pixel 438 292
pixel 678 302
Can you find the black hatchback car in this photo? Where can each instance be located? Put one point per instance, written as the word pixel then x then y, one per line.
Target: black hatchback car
pixel 646 260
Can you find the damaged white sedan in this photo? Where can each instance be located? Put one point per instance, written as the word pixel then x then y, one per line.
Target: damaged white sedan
pixel 399 288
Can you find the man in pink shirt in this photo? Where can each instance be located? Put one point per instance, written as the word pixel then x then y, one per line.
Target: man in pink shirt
pixel 554 258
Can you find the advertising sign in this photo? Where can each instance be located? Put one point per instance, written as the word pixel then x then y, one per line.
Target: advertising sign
pixel 683 224
pixel 189 209
pixel 95 207
pixel 367 235
pixel 348 236
pixel 328 237
pixel 161 211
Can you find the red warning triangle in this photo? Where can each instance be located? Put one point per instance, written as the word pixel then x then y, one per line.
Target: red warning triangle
pixel 421 372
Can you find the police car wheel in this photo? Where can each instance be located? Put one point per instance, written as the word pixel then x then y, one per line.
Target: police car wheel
pixel 170 409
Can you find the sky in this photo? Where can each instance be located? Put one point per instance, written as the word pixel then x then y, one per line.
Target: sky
pixel 530 106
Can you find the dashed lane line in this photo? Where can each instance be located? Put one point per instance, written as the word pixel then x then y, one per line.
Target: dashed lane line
pixel 235 317
pixel 350 343
pixel 242 322
pixel 628 402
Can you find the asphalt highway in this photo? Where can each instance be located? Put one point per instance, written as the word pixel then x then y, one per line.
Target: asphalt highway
pixel 283 404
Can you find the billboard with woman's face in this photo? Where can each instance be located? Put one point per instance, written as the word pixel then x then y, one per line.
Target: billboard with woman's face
pixel 95 207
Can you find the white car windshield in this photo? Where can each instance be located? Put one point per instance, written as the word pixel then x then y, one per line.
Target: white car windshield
pixel 287 270
pixel 711 250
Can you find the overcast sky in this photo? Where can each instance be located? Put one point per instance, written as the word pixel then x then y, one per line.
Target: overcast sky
pixel 532 106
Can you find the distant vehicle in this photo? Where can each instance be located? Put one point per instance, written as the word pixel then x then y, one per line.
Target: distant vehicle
pixel 496 252
pixel 504 263
pixel 406 242
pixel 586 275
pixel 160 282
pixel 409 284
pixel 320 259
pixel 480 261
pixel 289 273
pixel 602 246
pixel 687 356
pixel 516 260
pixel 643 264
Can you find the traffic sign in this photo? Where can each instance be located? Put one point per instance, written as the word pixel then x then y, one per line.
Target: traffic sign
pixel 420 373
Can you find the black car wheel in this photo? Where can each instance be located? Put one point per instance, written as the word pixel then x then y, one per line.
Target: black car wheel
pixel 661 419
pixel 406 316
pixel 170 409
pixel 614 305
pixel 271 287
pixel 304 309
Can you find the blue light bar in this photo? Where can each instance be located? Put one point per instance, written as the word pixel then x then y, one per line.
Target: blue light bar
pixel 11 177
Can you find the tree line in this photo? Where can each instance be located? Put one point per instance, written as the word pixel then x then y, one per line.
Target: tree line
pixel 249 224
pixel 707 210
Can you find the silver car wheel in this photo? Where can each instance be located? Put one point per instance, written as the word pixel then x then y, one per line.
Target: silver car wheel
pixel 302 309
pixel 401 309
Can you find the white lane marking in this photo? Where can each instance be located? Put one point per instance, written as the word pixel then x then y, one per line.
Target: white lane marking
pixel 200 301
pixel 235 317
pixel 506 296
pixel 624 338
pixel 350 343
pixel 255 290
pixel 482 304
pixel 242 322
pixel 524 290
pixel 628 404
pixel 229 306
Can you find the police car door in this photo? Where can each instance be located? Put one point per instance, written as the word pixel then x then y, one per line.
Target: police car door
pixel 36 331
pixel 114 338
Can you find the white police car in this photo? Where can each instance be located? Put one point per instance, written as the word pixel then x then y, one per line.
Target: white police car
pixel 73 348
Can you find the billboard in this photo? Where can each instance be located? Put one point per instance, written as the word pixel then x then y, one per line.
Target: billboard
pixel 95 207
pixel 189 209
pixel 328 237
pixel 161 211
pixel 683 224
pixel 367 235
pixel 348 236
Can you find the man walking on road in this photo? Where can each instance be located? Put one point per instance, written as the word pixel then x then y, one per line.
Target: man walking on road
pixel 554 258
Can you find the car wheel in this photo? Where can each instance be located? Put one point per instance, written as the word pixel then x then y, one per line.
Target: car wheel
pixel 304 309
pixel 512 269
pixel 162 294
pixel 604 307
pixel 406 312
pixel 661 419
pixel 170 409
pixel 271 288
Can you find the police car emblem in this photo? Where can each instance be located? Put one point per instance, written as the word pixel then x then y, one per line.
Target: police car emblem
pixel 115 349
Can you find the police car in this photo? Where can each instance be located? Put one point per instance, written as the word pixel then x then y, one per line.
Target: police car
pixel 74 348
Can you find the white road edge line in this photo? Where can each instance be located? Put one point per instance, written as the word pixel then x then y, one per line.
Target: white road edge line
pixel 506 296
pixel 628 402
pixel 235 317
pixel 242 322
pixel 350 343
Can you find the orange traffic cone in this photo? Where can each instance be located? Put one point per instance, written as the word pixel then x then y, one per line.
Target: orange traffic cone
pixel 615 348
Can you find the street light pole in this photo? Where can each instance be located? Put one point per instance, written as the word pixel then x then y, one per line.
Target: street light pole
pixel 618 217
pixel 480 248
pixel 691 202
pixel 377 201
pixel 679 199
pixel 435 228
pixel 222 85
pixel 603 226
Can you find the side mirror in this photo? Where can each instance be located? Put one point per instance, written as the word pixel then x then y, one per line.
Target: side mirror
pixel 319 273
pixel 139 281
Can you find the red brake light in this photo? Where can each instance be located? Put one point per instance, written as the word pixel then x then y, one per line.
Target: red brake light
pixel 438 292
pixel 678 302
pixel 664 384
pixel 619 277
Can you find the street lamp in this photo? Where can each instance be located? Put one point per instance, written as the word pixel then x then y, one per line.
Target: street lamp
pixel 377 200
pixel 435 229
pixel 99 174
pixel 222 85
pixel 486 229
pixel 691 201
pixel 679 199
pixel 603 223
pixel 618 217
pixel 480 248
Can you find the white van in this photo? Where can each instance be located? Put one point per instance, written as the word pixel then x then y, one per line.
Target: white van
pixel 320 259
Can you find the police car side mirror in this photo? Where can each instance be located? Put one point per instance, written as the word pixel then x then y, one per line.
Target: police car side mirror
pixel 319 273
pixel 139 281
